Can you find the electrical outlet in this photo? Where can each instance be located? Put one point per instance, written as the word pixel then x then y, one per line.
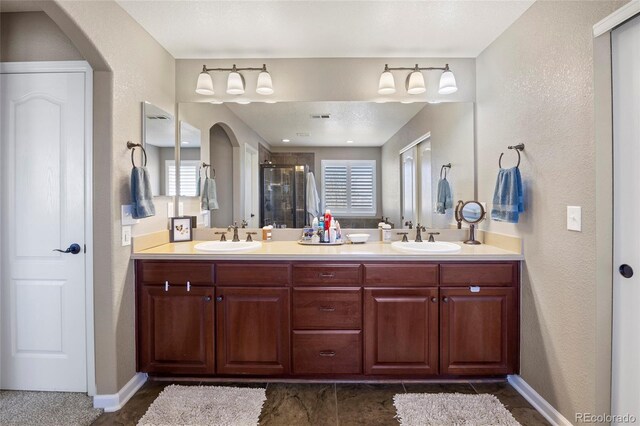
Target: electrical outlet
pixel 574 218
pixel 126 236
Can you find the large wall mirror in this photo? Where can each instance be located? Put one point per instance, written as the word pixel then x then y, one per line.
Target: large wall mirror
pixel 364 160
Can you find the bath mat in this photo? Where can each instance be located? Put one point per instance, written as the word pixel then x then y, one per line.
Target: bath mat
pixel 46 408
pixel 205 405
pixel 451 409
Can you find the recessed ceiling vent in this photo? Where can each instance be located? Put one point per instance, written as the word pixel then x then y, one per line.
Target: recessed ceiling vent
pixel 303 135
pixel 325 116
pixel 158 117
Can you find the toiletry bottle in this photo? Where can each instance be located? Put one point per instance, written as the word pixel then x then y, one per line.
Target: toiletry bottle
pixel 314 225
pixel 386 233
pixel 338 232
pixel 321 228
pixel 327 219
pixel 332 232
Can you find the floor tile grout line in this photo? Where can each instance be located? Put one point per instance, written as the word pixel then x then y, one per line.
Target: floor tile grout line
pixel 335 396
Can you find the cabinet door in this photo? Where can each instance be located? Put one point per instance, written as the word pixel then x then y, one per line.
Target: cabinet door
pixel 401 331
pixel 253 330
pixel 176 330
pixel 479 331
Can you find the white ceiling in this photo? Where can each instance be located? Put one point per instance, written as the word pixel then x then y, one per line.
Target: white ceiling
pixel 324 29
pixel 365 123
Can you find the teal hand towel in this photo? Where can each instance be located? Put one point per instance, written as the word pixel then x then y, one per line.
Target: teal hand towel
pixel 141 196
pixel 444 199
pixel 508 197
pixel 209 199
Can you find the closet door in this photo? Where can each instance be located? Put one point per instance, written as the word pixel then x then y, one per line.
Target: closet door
pixel 43 319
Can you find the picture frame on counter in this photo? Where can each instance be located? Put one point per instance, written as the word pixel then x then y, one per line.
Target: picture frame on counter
pixel 181 229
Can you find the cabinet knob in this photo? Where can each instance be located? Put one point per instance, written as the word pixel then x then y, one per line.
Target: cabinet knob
pixel 219 299
pixel 207 298
pixel 327 353
pixel 434 299
pixel 445 299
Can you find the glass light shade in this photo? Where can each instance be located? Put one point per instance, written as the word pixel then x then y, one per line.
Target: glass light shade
pixel 447 83
pixel 265 85
pixel 415 83
pixel 387 85
pixel 205 84
pixel 235 84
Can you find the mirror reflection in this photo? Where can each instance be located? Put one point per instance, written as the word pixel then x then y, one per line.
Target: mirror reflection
pixel 158 132
pixel 282 164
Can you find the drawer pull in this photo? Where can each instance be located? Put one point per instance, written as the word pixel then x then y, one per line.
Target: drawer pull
pixel 166 286
pixel 327 353
pixel 327 308
pixel 474 289
pixel 188 285
pixel 326 275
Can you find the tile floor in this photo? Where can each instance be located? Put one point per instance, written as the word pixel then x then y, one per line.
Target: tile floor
pixel 294 404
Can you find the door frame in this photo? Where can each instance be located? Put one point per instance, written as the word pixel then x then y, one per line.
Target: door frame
pixel 38 67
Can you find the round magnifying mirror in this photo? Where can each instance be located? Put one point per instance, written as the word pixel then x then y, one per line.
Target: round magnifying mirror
pixel 473 213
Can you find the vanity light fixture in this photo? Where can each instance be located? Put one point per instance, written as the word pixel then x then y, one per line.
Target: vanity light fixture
pixel 415 80
pixel 235 80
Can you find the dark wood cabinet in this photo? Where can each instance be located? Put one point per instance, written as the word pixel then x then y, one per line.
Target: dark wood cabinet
pixel 401 331
pixel 252 330
pixel 479 331
pixel 312 319
pixel 175 330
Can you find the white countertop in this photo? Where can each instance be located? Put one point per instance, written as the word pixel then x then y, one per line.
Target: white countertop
pixel 291 250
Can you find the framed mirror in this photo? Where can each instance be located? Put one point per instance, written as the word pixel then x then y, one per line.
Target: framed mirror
pixel 158 139
pixel 347 151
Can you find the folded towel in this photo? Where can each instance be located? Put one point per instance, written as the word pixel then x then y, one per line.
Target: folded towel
pixel 141 196
pixel 209 200
pixel 508 200
pixel 313 200
pixel 444 199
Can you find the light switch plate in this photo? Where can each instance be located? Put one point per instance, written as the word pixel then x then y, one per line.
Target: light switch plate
pixel 126 236
pixel 126 215
pixel 574 218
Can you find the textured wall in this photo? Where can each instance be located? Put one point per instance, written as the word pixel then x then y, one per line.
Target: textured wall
pixel 33 36
pixel 452 141
pixel 535 85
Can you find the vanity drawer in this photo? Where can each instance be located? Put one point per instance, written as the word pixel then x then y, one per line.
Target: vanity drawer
pixel 321 352
pixel 259 274
pixel 323 308
pixel 152 272
pixel 327 274
pixel 465 274
pixel 405 275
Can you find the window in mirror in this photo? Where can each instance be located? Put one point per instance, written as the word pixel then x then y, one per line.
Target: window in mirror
pixel 349 187
pixel 188 177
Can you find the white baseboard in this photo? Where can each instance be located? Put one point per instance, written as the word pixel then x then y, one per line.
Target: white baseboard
pixel 116 401
pixel 539 403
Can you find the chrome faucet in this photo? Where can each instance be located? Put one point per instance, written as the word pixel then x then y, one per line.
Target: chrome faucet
pixel 419 230
pixel 235 231
pixel 244 223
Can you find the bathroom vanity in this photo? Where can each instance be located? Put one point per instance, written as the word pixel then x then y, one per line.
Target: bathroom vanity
pixel 323 313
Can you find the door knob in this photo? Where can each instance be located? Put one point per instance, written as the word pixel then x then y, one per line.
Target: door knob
pixel 626 270
pixel 73 249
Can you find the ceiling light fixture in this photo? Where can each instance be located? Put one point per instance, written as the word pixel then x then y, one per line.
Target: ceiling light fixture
pixel 285 141
pixel 349 141
pixel 415 80
pixel 235 80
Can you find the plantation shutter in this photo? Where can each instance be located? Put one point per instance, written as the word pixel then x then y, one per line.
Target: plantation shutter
pixel 349 187
pixel 188 178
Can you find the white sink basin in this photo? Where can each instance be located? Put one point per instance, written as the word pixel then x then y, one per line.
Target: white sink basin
pixel 228 246
pixel 426 247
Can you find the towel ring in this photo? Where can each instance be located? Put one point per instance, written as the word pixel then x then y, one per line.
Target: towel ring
pixel 206 167
pixel 518 148
pixel 444 167
pixel 132 146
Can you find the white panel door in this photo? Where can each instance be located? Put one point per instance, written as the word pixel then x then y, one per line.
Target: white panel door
pixel 43 331
pixel 626 290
